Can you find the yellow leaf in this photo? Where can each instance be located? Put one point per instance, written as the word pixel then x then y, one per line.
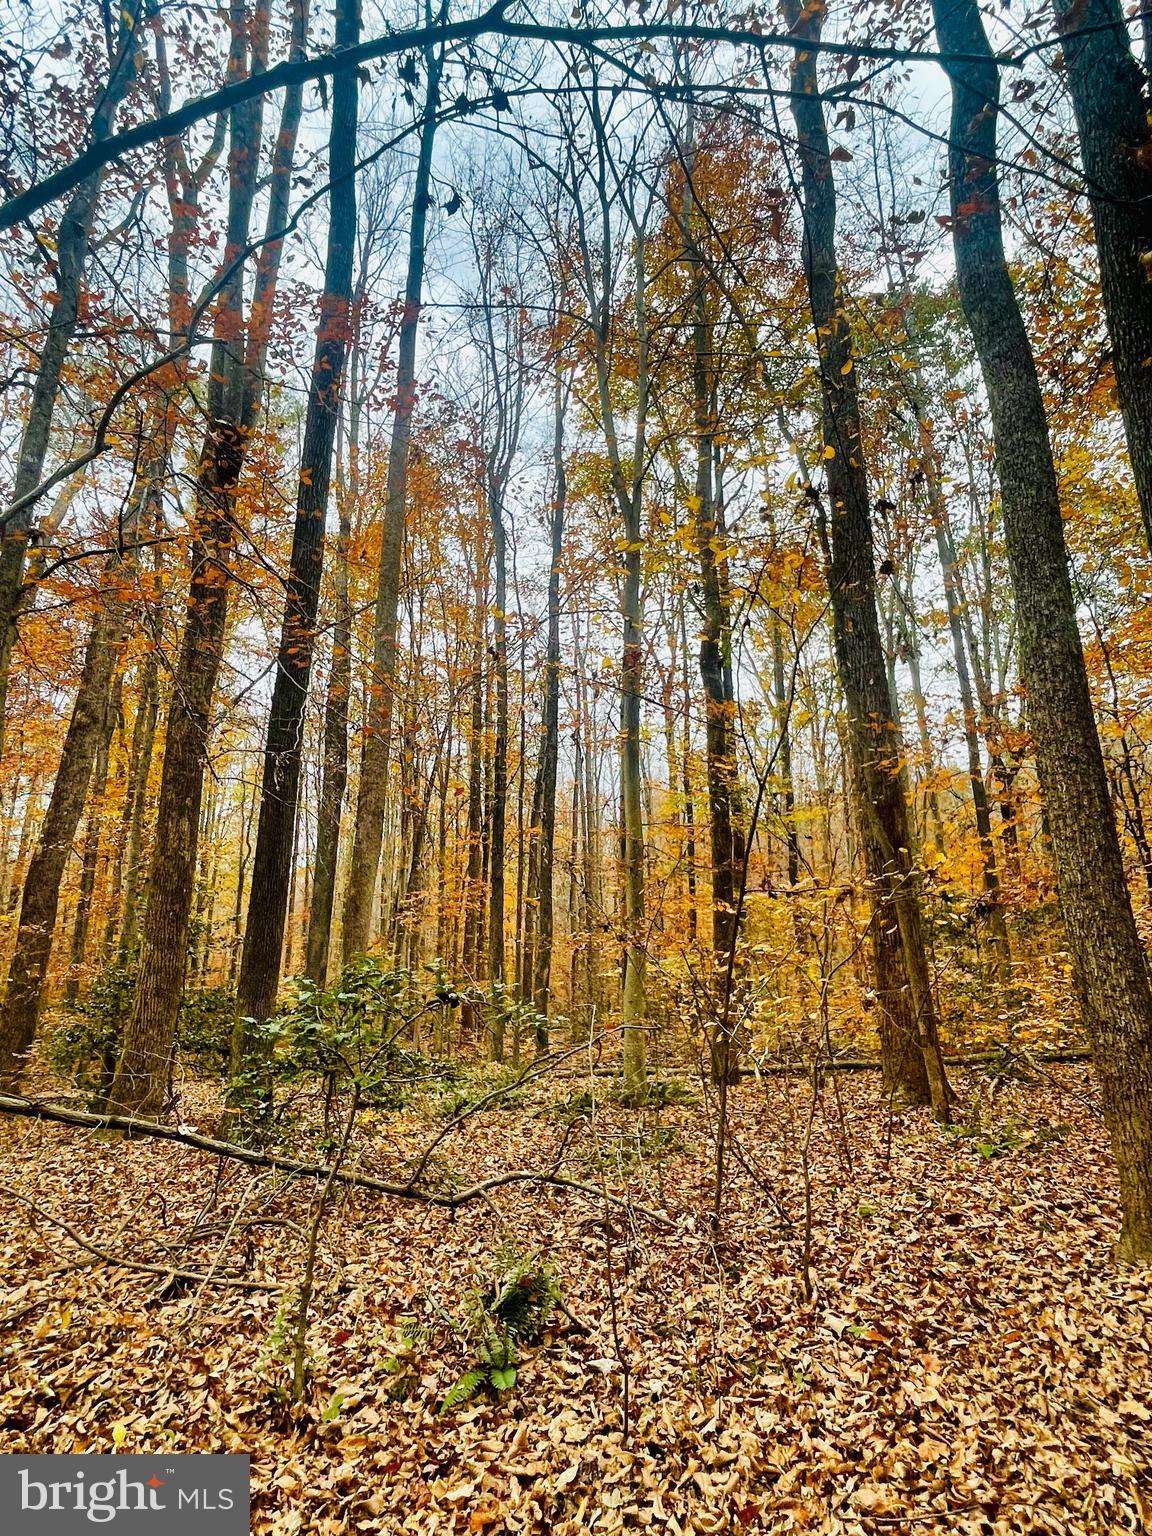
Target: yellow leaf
pixel 119 1434
pixel 829 452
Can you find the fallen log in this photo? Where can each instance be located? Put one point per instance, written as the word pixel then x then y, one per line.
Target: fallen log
pixel 783 1068
pixel 449 1200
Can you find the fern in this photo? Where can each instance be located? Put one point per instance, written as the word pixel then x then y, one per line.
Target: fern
pixel 464 1390
pixel 510 1309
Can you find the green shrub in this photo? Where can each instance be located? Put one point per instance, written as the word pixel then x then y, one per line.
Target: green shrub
pixel 659 1093
pixel 204 1029
pixel 496 1085
pixel 86 1044
pixel 620 1154
pixel 1011 1135
pixel 580 1104
pixel 350 1032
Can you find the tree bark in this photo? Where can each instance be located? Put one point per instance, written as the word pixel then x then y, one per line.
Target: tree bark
pixel 72 241
pixel 368 833
pixel 283 749
pixel 1108 94
pixel 913 1064
pixel 1107 956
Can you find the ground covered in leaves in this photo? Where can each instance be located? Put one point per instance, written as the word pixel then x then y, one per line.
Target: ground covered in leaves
pixel 925 1333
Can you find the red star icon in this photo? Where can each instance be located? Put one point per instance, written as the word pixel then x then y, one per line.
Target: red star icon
pixel 155 1482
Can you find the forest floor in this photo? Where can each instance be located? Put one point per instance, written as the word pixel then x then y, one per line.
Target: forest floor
pixel 969 1359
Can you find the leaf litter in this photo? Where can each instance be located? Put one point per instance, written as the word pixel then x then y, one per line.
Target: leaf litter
pixel 969 1358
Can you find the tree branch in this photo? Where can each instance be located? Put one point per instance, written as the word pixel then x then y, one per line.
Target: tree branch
pixel 491 22
pixel 32 1109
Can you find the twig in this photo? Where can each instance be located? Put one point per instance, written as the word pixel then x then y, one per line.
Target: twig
pixel 166 1271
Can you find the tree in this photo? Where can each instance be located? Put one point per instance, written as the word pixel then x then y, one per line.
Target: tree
pixel 233 396
pixel 1109 961
pixel 715 658
pixel 1108 91
pixel 283 753
pixel 912 1062
pixel 368 831
pixel 602 271
pixel 72 242
pixel 499 325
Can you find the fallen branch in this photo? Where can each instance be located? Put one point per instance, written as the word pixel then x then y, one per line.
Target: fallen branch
pixel 32 1109
pixel 779 1068
pixel 117 1261
pixel 799 1066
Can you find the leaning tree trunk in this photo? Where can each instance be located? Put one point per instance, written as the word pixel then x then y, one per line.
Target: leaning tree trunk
pixel 1107 955
pixel 72 240
pixel 41 899
pixel 283 750
pixel 1108 93
pixel 913 1066
pixel 368 832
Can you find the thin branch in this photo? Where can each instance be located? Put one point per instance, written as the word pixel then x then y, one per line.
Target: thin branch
pixel 33 1110
pixel 490 22
pixel 165 1271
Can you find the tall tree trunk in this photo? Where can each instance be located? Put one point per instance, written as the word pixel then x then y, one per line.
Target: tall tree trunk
pixel 499 801
pixel 335 766
pixel 371 795
pixel 283 749
pixel 913 1066
pixel 634 999
pixel 541 979
pixel 473 887
pixel 727 839
pixel 954 601
pixel 93 843
pixel 782 701
pixel 1107 955
pixel 200 936
pixel 72 240
pixel 41 899
pixel 139 1085
pixel 1109 95
pixel 29 826
pixel 136 800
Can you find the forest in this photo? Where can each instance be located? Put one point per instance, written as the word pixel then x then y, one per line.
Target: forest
pixel 576 759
